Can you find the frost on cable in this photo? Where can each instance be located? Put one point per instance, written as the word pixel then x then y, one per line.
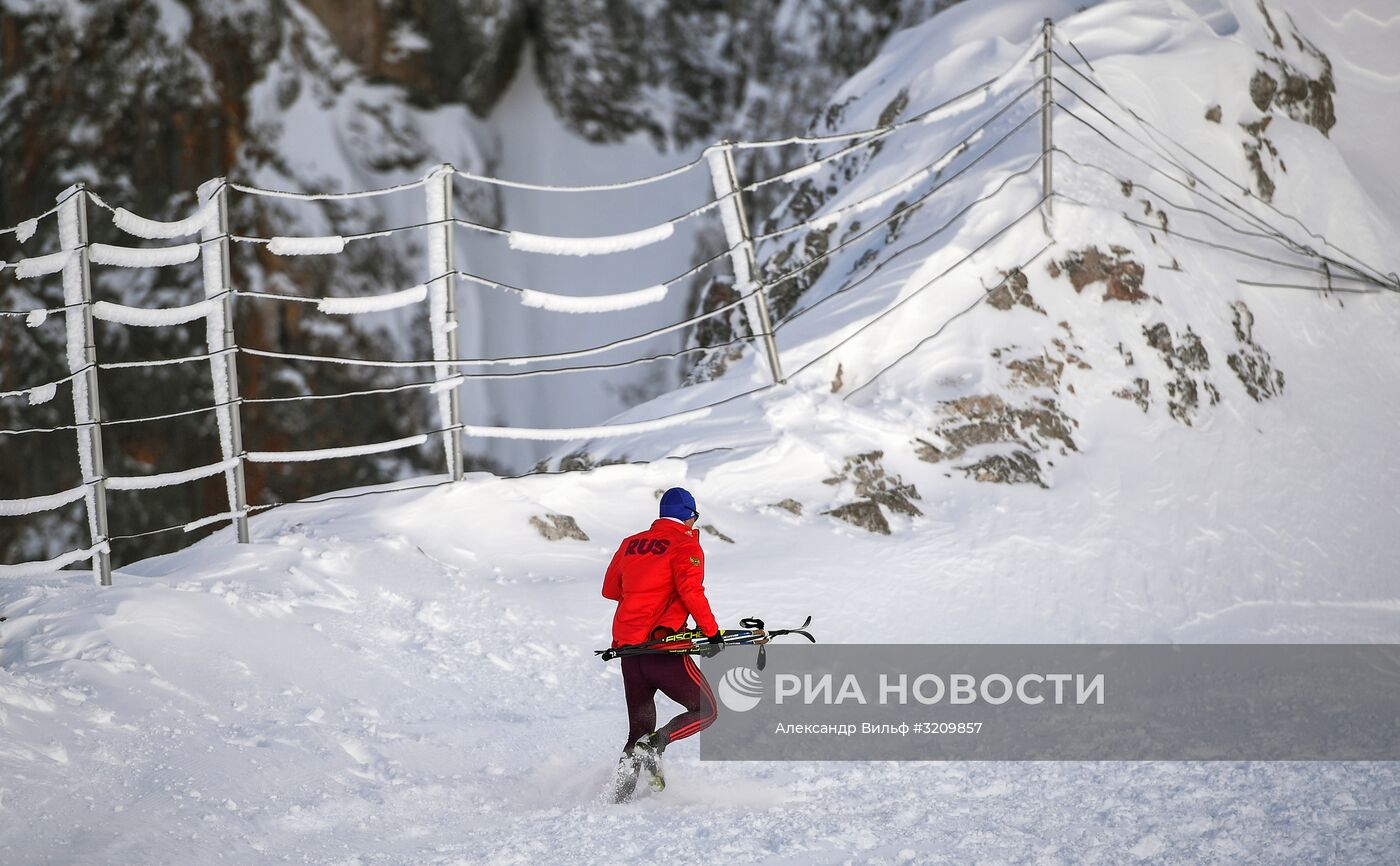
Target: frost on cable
pixel 373 303
pixel 142 257
pixel 41 266
pixel 320 246
pixel 151 318
pixel 593 304
pixel 151 229
pixel 42 394
pixel 49 566
pixel 169 479
pixel 590 246
pixel 36 318
pixel 38 504
pixel 571 433
pixel 25 230
pixel 334 453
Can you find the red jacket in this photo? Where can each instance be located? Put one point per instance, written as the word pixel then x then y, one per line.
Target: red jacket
pixel 657 578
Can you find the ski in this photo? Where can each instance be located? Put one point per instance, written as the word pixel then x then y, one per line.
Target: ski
pixel 694 642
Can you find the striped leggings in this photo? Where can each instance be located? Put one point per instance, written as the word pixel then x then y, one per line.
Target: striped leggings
pixel 678 678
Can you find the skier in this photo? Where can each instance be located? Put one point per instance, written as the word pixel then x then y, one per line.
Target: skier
pixel 657 579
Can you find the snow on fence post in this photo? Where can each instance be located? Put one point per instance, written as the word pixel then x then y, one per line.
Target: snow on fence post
pixel 223 366
pixel 442 309
pixel 741 251
pixel 1047 141
pixel 82 361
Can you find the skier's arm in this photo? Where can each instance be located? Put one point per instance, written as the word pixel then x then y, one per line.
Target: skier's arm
pixel 689 566
pixel 612 580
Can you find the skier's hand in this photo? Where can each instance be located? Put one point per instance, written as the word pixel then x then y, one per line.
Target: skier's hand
pixel 716 638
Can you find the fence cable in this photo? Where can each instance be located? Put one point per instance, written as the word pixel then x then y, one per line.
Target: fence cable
pixel 951 153
pixel 869 323
pixel 986 293
pixel 1150 128
pixel 926 238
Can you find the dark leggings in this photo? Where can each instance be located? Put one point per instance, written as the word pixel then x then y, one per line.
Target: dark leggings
pixel 678 678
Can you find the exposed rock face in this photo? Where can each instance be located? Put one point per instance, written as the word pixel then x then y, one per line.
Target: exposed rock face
pixel 556 527
pixel 709 529
pixel 1187 358
pixel 1251 363
pixel 874 489
pixel 1013 291
pixel 863 513
pixel 988 420
pixel 1296 80
pixel 1004 434
pixel 1122 277
pixel 1140 392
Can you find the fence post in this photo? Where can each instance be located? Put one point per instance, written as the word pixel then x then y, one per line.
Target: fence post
pixel 223 369
pixel 443 309
pixel 82 356
pixel 1047 141
pixel 741 252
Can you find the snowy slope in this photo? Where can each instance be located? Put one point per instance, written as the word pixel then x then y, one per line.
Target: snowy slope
pixel 406 677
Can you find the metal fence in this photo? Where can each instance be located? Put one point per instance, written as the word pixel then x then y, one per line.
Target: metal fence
pixel 77 256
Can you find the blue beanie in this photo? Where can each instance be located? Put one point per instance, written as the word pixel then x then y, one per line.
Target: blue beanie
pixel 678 503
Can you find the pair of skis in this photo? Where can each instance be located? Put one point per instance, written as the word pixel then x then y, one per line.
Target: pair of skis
pixel 751 632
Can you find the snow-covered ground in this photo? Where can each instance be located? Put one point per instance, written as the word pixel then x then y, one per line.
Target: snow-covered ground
pixel 407 677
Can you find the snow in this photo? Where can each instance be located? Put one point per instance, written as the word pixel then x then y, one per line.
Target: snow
pixel 335 453
pixel 406 677
pixel 40 266
pixel 169 479
pixel 437 202
pixel 736 233
pixel 151 229
pixel 142 257
pixel 151 317
pixel 211 519
pixel 593 304
pixel 447 384
pixel 589 246
pixel 569 434
pixel 34 569
pixel 316 246
pixel 42 394
pixel 28 393
pixel 37 504
pixel 78 337
pixel 35 318
pixel 372 303
pixel 25 230
pixel 212 260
